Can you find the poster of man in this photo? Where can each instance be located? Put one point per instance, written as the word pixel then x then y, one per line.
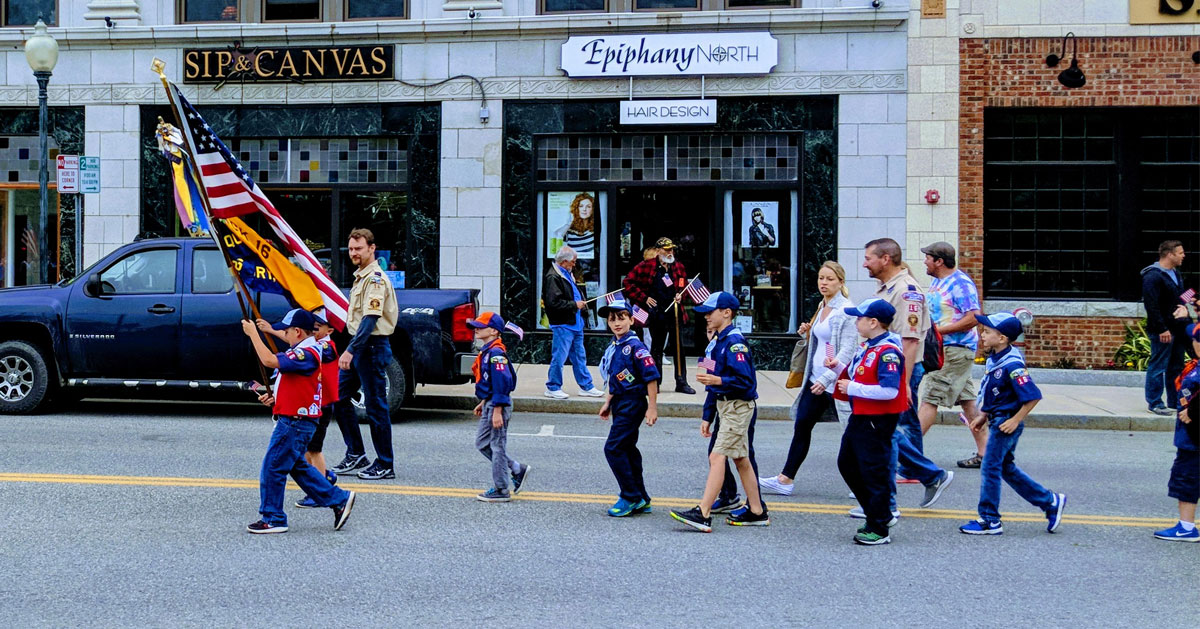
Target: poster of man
pixel 759 219
pixel 571 220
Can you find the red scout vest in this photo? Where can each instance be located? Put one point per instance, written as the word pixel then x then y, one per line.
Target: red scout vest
pixel 329 374
pixel 868 373
pixel 299 395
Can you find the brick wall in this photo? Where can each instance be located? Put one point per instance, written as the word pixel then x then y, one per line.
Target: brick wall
pixel 1012 72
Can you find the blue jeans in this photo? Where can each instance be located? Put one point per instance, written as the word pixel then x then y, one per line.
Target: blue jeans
pixel 621 451
pixel 998 464
pixel 1164 366
pixel 285 455
pixel 565 344
pixel 367 370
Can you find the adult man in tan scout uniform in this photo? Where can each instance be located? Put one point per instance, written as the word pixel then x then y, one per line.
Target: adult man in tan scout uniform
pixel 371 320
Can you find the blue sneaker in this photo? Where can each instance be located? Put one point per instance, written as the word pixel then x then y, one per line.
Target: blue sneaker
pixel 643 506
pixel 1054 515
pixel 307 503
pixel 979 527
pixel 519 479
pixel 1178 534
pixel 726 506
pixel 622 508
pixel 494 495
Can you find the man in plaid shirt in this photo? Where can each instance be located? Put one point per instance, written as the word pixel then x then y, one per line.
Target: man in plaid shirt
pixel 653 284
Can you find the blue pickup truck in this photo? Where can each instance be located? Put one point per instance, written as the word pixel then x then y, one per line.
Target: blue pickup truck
pixel 163 313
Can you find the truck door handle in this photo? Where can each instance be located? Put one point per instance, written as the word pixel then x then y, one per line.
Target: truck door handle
pixel 160 309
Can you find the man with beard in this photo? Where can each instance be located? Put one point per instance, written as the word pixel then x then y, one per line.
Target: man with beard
pixel 654 284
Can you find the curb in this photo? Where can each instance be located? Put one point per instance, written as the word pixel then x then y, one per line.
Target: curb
pixel 1086 377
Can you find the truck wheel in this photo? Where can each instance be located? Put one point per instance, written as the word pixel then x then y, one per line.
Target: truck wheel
pixel 24 378
pixel 396 383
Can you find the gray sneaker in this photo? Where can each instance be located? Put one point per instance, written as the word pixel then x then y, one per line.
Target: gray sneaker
pixel 858 514
pixel 934 491
pixel 1162 410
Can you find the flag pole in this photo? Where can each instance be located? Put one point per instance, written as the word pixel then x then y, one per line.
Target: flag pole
pixel 681 292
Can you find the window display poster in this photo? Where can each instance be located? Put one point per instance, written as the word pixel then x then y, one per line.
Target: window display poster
pixel 571 220
pixel 759 219
pixel 744 323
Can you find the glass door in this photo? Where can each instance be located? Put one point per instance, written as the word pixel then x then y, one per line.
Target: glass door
pixel 20 255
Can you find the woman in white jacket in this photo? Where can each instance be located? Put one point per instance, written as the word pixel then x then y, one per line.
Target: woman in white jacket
pixel 831 326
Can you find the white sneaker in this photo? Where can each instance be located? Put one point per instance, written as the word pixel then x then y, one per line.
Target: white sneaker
pixel 857 513
pixel 771 485
pixel 557 395
pixel 592 392
pixel 851 494
pixel 667 362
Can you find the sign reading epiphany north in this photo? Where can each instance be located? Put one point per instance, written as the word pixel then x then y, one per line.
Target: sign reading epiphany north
pixel 293 64
pixel 676 54
pixel 669 111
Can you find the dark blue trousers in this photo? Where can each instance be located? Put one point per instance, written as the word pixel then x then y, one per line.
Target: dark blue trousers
pixel 367 371
pixel 729 488
pixel 864 461
pixel 621 450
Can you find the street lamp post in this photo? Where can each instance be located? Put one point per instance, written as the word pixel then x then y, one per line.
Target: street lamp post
pixel 41 51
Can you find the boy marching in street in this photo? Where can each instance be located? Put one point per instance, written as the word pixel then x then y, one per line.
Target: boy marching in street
pixel 296 405
pixel 1006 396
pixel 494 383
pixel 877 390
pixel 632 377
pixel 1184 484
pixel 733 386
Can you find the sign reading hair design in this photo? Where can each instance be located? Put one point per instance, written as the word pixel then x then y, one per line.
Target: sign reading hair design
pixel 1164 11
pixel 669 111
pixel 296 64
pixel 679 54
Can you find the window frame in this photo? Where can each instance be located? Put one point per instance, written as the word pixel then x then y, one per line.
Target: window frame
pixel 174 249
pixel 345 16
pixel 4 15
pixel 252 12
pixel 630 6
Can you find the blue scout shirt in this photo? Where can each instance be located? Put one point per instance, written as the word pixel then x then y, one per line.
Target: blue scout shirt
pixel 1006 385
pixel 1189 389
pixel 575 296
pixel 734 366
pixel 496 377
pixel 629 366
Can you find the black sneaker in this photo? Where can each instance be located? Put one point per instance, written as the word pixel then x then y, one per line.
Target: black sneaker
pixel 377 472
pixel 726 506
pixel 517 479
pixel 746 517
pixel 261 527
pixel 971 462
pixel 693 518
pixel 341 513
pixel 350 463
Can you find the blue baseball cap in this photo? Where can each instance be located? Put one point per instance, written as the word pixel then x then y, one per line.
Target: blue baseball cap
pixel 615 306
pixel 873 308
pixel 1193 331
pixel 296 318
pixel 487 319
pixel 1002 322
pixel 319 316
pixel 719 299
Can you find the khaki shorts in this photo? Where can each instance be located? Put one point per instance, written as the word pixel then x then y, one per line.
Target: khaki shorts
pixel 733 426
pixel 951 385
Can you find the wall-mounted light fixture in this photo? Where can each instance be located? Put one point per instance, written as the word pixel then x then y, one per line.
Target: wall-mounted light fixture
pixel 1072 77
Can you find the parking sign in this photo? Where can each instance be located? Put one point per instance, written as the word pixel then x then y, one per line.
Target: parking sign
pixel 89 174
pixel 67 167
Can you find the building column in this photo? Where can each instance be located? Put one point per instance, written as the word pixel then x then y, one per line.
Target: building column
pixel 112 217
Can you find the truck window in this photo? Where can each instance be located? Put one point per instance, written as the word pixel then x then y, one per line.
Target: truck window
pixel 141 273
pixel 209 273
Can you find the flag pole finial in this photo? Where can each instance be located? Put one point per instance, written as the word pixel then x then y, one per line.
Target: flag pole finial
pixel 159 66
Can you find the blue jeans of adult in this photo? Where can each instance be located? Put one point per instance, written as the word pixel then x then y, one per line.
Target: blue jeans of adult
pixel 907 455
pixel 285 456
pixel 1164 366
pixel 909 422
pixel 564 344
pixel 998 464
pixel 729 487
pixel 621 451
pixel 367 371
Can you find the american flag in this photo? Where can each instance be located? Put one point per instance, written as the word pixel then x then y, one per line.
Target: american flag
pixel 614 296
pixel 829 353
pixel 696 291
pixel 515 329
pixel 707 364
pixel 1188 295
pixel 639 315
pixel 231 192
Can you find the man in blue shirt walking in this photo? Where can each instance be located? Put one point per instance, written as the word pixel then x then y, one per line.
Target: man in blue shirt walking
pixel 563 302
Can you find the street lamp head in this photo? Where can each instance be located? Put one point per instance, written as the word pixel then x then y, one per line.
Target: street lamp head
pixel 41 51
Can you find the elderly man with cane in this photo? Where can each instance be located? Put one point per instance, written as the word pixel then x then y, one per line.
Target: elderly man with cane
pixel 655 285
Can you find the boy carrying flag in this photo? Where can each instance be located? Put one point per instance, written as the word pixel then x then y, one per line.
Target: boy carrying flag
pixel 494 383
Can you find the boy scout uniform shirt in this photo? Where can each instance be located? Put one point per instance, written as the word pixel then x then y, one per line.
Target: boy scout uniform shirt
pixel 496 378
pixel 734 367
pixel 906 296
pixel 631 367
pixel 1006 386
pixel 372 294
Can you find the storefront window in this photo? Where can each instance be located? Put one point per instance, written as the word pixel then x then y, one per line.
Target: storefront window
pixel 656 5
pixel 362 9
pixel 383 213
pixel 20 253
pixel 291 10
pixel 759 237
pixel 27 12
pixel 573 6
pixel 573 218
pixel 210 11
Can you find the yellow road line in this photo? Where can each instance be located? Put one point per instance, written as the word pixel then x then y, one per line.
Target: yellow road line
pixel 546 496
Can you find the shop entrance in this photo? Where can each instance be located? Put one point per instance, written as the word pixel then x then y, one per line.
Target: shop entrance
pixel 19 255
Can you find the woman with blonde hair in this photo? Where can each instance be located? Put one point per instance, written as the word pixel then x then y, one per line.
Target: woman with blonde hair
pixel 831 332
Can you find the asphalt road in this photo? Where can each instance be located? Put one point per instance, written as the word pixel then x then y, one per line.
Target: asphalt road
pixel 133 514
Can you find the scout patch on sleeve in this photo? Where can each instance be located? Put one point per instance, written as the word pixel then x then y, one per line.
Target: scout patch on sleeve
pixel 913 295
pixel 913 320
pixel 914 307
pixel 642 353
pixel 1020 376
pixel 375 304
pixel 296 354
pixel 499 360
pixel 739 347
pixel 890 358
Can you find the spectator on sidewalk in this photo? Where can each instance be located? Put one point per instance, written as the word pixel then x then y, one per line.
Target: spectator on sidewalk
pixel 1166 324
pixel 563 300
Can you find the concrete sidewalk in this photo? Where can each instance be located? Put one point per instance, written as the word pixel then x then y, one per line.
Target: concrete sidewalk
pixel 1064 405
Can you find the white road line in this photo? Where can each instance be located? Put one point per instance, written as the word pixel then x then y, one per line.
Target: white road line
pixel 547 430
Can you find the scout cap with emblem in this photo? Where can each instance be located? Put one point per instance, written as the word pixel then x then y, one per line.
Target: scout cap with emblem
pixel 487 319
pixel 664 243
pixel 319 316
pixel 873 308
pixel 296 318
pixel 615 306
pixel 942 250
pixel 1002 322
pixel 719 299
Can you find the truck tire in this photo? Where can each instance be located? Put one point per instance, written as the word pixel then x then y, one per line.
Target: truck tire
pixel 396 381
pixel 24 378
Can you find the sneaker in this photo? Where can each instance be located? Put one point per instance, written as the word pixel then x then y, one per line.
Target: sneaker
pixel 307 503
pixel 979 527
pixel 377 472
pixel 1054 515
pixel 721 506
pixel 519 479
pixel 557 395
pixel 622 508
pixel 934 491
pixel 494 495
pixel 350 463
pixel 341 513
pixel 693 518
pixel 771 485
pixel 858 514
pixel 1161 410
pixel 592 392
pixel 682 386
pixel 852 496
pixel 867 538
pixel 643 506
pixel 331 477
pixel 900 480
pixel 261 527
pixel 971 462
pixel 1178 534
pixel 746 517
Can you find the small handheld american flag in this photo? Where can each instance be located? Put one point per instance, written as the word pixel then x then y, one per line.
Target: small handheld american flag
pixel 707 364
pixel 1188 295
pixel 515 329
pixel 641 316
pixel 829 353
pixel 611 297
pixel 696 291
